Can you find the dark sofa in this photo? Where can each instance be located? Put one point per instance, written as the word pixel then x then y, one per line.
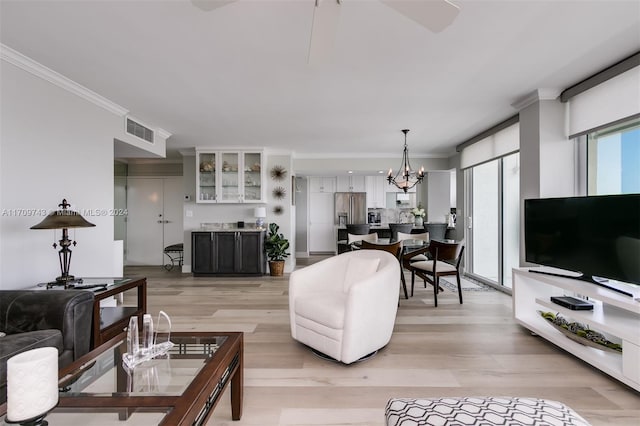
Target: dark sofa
pixel 39 318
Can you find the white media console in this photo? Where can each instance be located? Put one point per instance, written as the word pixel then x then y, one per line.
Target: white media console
pixel 614 314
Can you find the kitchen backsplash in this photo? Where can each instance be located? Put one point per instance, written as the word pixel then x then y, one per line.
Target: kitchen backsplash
pixel 394 215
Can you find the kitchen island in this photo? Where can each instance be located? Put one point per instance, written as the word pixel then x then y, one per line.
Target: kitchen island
pixel 382 230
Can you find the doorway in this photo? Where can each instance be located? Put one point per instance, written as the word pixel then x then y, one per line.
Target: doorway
pixel 154 218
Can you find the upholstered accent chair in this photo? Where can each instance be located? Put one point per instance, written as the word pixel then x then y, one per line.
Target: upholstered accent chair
pixel 345 306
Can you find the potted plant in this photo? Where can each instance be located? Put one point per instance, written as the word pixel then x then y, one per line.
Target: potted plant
pixel 276 246
pixel 419 214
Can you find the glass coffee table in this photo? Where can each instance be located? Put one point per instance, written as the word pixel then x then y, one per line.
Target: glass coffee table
pixel 181 388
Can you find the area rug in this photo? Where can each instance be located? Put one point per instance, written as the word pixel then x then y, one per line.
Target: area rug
pixel 467 285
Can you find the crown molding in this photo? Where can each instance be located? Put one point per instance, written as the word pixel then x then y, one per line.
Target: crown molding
pixel 21 61
pixel 163 133
pixel 535 96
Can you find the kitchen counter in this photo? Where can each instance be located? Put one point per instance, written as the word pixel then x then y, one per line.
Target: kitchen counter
pixel 381 227
pixel 228 229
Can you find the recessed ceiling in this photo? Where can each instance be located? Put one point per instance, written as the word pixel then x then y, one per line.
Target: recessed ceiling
pixel 238 75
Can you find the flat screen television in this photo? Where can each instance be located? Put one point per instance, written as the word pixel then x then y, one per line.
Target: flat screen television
pixel 598 236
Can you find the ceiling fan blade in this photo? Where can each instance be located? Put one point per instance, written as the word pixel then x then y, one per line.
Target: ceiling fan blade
pixel 208 5
pixel 435 15
pixel 326 15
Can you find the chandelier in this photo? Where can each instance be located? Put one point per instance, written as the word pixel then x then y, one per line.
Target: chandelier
pixel 406 178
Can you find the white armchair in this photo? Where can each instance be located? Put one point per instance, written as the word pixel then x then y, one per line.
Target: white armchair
pixel 345 306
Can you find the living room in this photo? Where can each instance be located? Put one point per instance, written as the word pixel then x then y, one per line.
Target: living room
pixel 67 89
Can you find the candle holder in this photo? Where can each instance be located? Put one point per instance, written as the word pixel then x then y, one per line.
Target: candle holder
pixel 32 386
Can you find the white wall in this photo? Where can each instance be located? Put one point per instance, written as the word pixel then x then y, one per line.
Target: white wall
pixel 53 145
pixel 438 196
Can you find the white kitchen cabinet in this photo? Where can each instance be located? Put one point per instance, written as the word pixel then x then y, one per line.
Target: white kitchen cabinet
pixel 350 183
pixel 229 177
pixel 375 187
pixel 322 184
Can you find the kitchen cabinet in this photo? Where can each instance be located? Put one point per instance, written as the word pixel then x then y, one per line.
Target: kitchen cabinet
pixel 350 183
pixel 229 177
pixel 375 187
pixel 322 184
pixel 228 253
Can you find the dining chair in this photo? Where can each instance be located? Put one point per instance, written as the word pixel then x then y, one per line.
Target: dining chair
pixel 396 228
pixel 422 236
pixel 351 238
pixel 358 228
pixel 437 231
pixel 445 260
pixel 393 248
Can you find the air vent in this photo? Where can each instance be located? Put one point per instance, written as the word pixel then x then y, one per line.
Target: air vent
pixel 140 131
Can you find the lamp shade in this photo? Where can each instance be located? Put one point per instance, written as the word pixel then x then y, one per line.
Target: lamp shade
pixel 260 212
pixel 63 218
pixel 32 384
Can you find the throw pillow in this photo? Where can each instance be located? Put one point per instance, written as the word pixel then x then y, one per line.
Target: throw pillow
pixel 358 269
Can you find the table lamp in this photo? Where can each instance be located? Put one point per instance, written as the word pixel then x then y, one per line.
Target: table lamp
pixel 63 219
pixel 260 213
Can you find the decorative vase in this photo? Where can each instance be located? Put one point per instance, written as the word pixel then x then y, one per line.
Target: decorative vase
pixel 418 222
pixel 276 268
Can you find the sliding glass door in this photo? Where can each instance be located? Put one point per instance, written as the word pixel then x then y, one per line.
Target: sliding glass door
pixel 493 190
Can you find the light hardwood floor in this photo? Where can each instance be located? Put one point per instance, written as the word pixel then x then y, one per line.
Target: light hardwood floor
pixel 474 349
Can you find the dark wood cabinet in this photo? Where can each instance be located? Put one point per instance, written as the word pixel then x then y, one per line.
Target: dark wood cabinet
pixel 228 253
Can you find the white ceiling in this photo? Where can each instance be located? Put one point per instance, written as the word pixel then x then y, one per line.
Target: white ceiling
pixel 238 75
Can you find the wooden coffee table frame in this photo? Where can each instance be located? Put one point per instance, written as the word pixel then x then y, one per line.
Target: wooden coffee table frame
pixel 193 407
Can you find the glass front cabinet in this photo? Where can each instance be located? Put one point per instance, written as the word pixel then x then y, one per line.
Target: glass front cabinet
pixel 229 177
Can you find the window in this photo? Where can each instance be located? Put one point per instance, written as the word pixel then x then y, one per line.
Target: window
pixel 494 194
pixel 613 159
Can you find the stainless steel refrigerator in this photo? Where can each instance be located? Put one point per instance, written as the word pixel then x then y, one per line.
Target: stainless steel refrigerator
pixel 350 207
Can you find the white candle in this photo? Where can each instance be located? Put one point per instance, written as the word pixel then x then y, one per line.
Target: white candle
pixel 32 383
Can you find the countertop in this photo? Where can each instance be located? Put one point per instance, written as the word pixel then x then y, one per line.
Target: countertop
pixel 385 226
pixel 234 229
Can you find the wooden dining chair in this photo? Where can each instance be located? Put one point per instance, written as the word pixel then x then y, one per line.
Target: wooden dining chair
pixel 424 236
pixel 396 250
pixel 445 260
pixel 372 238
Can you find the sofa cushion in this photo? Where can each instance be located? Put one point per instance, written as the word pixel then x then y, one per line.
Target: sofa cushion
pixel 358 269
pixel 13 344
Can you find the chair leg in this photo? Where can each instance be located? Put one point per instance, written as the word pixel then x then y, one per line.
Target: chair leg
pixel 413 281
pixel 404 284
pixel 436 284
pixel 459 287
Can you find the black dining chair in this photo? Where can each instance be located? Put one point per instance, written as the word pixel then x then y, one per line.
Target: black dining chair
pixel 358 228
pixel 399 227
pixel 436 231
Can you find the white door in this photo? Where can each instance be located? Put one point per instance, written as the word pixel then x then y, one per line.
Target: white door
pixel 322 233
pixel 173 203
pixel 154 219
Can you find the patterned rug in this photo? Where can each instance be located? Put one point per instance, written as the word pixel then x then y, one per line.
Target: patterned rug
pixel 467 284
